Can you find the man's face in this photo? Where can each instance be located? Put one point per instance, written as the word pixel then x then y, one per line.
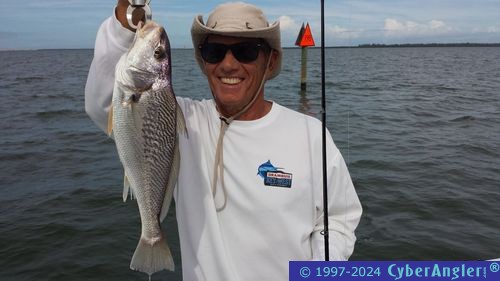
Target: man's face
pixel 234 83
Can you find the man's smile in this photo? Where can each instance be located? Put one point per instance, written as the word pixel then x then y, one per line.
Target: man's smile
pixel 231 80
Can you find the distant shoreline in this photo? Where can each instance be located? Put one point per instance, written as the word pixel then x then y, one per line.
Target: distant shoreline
pixel 429 45
pixel 421 45
pixel 373 45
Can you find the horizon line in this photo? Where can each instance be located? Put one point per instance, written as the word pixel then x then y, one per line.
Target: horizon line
pixel 366 45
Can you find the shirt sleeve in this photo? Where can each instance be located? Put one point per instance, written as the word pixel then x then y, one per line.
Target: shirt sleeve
pixel 112 41
pixel 344 210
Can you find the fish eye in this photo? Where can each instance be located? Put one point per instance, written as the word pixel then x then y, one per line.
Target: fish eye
pixel 134 98
pixel 160 53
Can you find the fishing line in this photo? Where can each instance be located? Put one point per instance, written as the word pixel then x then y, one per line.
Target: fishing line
pixel 349 39
pixel 325 231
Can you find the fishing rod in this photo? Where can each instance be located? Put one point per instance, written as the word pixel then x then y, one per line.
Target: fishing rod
pixel 323 121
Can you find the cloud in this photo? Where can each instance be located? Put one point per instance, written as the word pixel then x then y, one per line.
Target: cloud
pixel 488 29
pixel 288 24
pixel 339 32
pixel 435 24
pixel 289 30
pixel 492 29
pixel 396 28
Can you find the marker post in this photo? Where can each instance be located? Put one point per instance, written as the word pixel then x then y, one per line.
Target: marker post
pixel 303 70
pixel 304 40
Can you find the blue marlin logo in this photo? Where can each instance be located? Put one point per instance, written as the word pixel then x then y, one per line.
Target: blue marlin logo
pixel 266 167
pixel 274 176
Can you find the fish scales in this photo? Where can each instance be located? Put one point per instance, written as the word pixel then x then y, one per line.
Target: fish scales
pixel 159 146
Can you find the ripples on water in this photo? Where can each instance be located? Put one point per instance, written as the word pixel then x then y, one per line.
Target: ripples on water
pixel 418 127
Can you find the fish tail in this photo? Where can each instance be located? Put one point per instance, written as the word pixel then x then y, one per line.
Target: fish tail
pixel 152 256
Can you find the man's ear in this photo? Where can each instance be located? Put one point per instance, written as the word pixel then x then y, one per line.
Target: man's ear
pixel 273 63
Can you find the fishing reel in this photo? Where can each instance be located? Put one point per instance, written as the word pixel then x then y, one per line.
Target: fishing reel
pixel 138 4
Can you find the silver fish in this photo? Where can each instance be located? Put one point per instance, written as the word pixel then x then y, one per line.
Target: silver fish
pixel 144 121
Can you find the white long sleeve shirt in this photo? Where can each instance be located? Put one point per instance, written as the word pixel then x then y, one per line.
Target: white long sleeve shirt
pixel 273 175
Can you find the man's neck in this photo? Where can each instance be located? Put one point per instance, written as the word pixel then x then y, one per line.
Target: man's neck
pixel 256 111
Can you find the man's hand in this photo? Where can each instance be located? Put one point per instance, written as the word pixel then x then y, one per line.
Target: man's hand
pixel 121 14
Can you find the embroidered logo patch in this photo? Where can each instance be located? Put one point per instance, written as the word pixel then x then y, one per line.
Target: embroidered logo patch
pixel 274 176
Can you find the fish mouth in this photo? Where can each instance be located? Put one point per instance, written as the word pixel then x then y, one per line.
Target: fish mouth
pixel 147 27
pixel 142 80
pixel 140 70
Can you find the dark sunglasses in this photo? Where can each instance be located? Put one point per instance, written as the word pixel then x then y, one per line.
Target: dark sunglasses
pixel 244 52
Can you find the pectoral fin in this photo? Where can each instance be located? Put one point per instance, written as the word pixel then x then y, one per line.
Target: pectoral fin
pixel 127 189
pixel 110 121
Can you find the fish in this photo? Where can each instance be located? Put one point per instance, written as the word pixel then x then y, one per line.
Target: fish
pixel 145 122
pixel 266 167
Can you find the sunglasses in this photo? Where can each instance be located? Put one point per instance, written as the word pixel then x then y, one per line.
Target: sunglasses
pixel 244 52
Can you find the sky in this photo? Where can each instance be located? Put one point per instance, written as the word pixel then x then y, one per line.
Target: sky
pixel 54 24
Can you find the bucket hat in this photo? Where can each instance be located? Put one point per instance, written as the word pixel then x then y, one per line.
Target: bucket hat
pixel 237 19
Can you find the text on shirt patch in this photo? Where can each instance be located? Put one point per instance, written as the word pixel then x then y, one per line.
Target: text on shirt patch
pixel 273 176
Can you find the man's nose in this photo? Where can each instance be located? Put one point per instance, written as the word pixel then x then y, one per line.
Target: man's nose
pixel 229 61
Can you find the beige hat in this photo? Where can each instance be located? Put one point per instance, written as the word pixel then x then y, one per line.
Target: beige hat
pixel 237 20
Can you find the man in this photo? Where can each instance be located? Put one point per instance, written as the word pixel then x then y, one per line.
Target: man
pixel 249 192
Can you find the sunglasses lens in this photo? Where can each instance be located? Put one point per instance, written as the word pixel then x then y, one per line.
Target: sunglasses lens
pixel 244 52
pixel 213 52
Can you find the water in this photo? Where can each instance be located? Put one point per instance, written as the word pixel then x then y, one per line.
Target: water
pixel 418 127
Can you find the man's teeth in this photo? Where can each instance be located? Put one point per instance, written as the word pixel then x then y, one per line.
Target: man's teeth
pixel 231 80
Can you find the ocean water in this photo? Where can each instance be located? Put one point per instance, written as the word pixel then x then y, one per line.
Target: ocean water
pixel 418 127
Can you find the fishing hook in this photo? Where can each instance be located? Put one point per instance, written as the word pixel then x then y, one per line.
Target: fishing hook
pixel 138 4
